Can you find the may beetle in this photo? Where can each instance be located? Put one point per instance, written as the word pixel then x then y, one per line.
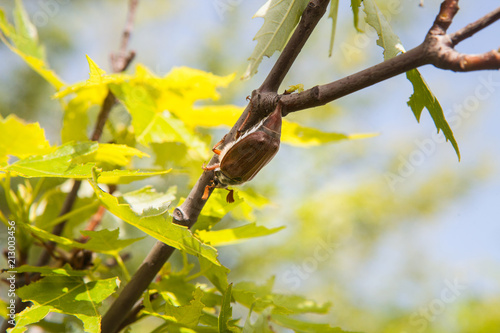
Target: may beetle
pixel 242 159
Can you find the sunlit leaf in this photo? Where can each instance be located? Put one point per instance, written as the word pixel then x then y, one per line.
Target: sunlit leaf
pixel 58 163
pixel 280 19
pixel 152 126
pixel 261 325
pixel 387 39
pixel 158 226
pixel 215 274
pixel 66 270
pixel 355 11
pixel 298 135
pixel 146 201
pixel 65 294
pixel 106 241
pixel 212 115
pixel 423 97
pixel 226 313
pixel 102 241
pixel 235 235
pixel 95 88
pixel 304 326
pixel 116 154
pixel 260 297
pixel 20 139
pixel 334 9
pixel 187 314
pixel 24 42
pixel 75 120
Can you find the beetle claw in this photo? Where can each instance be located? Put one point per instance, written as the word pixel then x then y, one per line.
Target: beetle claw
pixel 230 196
pixel 205 193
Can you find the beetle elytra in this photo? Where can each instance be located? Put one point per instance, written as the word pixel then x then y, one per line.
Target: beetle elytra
pixel 242 159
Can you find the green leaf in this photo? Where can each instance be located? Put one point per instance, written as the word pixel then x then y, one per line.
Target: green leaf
pixel 126 176
pixel 151 126
pixel 215 274
pixel 106 241
pixel 298 135
pixel 148 202
pixel 24 42
pixel 226 313
pixel 260 297
pixel 68 295
pixel 334 10
pixel 76 160
pixel 190 314
pixel 58 163
pixel 235 235
pixel 20 139
pixel 159 227
pixel 212 115
pixel 280 19
pixel 304 326
pixel 102 241
pixel 116 154
pixel 388 40
pixel 355 11
pixel 66 270
pixel 95 88
pixel 423 97
pixel 75 120
pixel 261 324
pixel 28 316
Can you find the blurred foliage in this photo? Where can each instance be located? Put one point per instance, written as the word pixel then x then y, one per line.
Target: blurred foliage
pixel 335 228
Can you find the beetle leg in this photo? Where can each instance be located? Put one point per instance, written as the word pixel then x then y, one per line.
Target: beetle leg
pixel 209 168
pixel 230 196
pixel 207 190
pixel 214 149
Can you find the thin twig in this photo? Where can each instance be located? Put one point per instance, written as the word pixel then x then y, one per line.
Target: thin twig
pixel 470 29
pixel 310 18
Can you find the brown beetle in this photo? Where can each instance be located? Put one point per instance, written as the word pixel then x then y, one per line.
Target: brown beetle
pixel 241 160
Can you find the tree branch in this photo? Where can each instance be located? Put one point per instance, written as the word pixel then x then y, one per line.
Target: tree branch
pixel 320 95
pixel 437 49
pixel 187 214
pixel 470 29
pixel 262 102
pixel 310 18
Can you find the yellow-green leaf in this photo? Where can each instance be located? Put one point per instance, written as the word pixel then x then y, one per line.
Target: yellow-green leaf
pixel 235 235
pixel 280 19
pixel 211 115
pixel 20 139
pixel 117 154
pixel 68 295
pixel 24 42
pixel 334 9
pixel 127 176
pixel 158 226
pixel 298 135
pixel 423 97
pixel 387 39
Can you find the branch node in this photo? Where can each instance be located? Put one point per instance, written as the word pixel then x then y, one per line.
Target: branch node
pixel 179 217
